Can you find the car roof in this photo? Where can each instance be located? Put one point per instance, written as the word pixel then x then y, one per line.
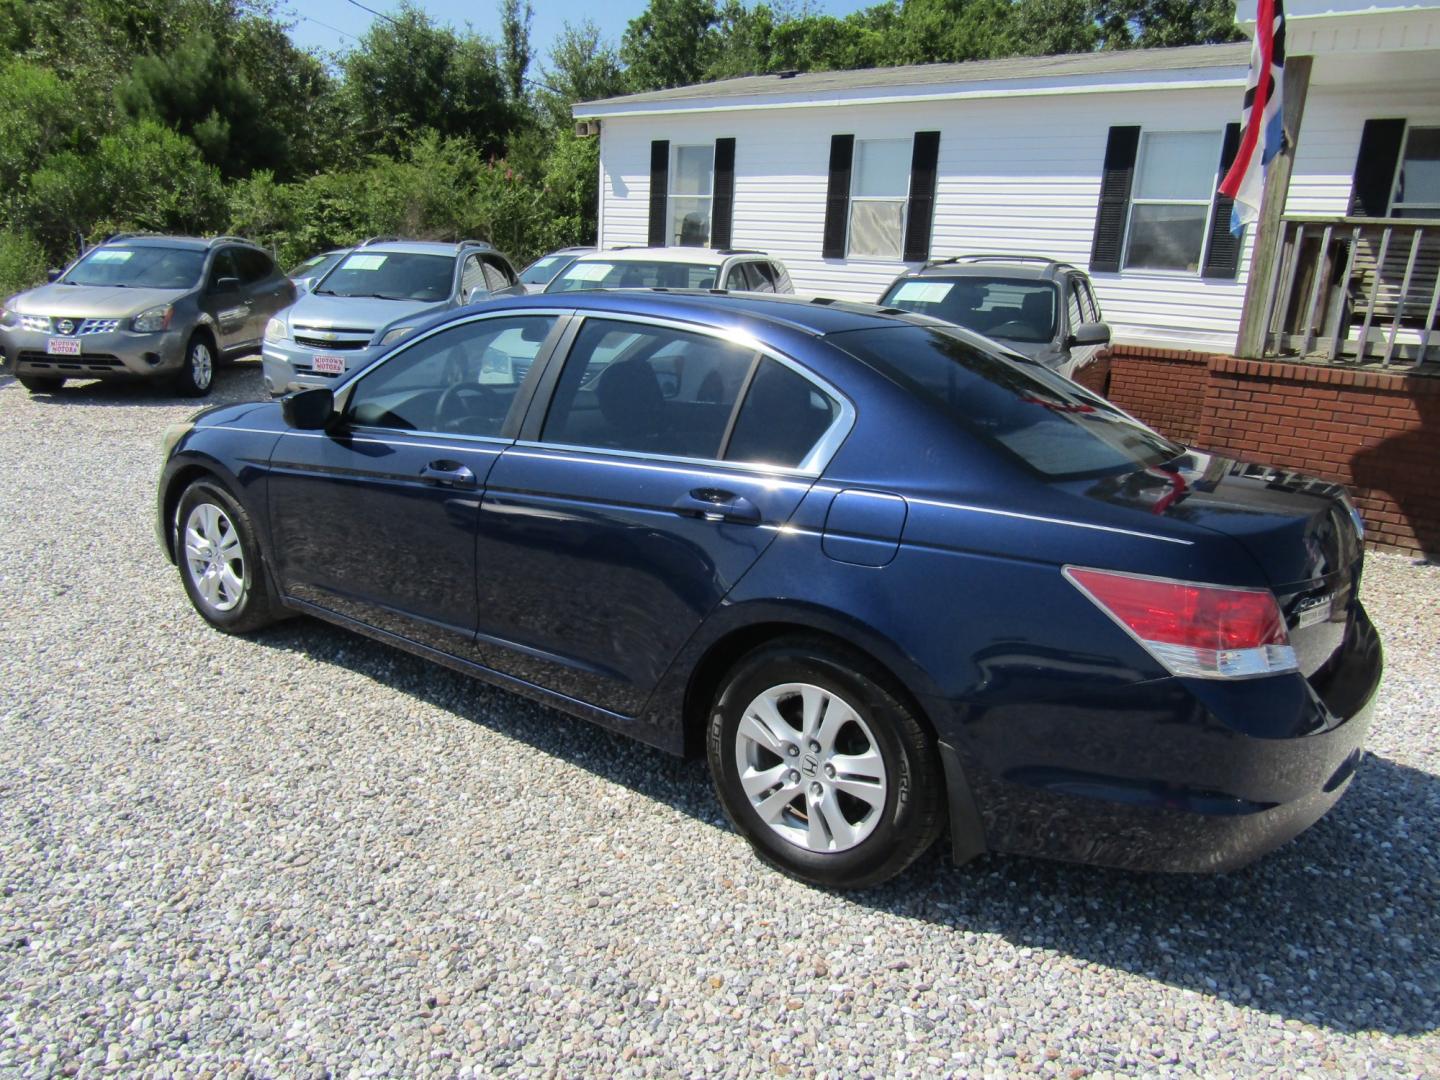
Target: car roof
pixel 416 247
pixel 1022 267
pixel 194 243
pixel 817 317
pixel 690 255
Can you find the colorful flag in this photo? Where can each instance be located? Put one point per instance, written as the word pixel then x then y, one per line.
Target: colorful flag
pixel 1262 126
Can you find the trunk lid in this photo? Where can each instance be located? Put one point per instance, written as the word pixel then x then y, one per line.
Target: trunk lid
pixel 1302 531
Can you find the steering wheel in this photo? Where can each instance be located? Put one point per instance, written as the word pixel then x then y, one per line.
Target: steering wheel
pixel 451 411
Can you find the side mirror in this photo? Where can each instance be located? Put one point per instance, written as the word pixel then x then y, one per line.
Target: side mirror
pixel 225 284
pixel 309 410
pixel 53 274
pixel 475 292
pixel 1091 333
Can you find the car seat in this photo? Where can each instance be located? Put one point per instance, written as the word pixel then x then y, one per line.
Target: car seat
pixel 631 404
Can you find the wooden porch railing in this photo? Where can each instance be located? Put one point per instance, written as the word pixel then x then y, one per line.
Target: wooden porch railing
pixel 1360 290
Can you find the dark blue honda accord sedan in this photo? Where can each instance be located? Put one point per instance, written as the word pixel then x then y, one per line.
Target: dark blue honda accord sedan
pixel 888 577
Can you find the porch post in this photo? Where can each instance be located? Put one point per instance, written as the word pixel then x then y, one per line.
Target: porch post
pixel 1250 342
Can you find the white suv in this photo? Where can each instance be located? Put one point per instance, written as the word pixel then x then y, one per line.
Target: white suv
pixel 675 268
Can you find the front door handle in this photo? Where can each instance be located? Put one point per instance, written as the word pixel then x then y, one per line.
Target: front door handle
pixel 717 504
pixel 448 474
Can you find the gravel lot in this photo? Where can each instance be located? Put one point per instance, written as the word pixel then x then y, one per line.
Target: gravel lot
pixel 306 854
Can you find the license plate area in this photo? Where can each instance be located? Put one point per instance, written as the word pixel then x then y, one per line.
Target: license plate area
pixel 63 346
pixel 326 364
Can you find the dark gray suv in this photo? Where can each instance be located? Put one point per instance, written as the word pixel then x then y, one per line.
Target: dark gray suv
pixel 145 307
pixel 1040 308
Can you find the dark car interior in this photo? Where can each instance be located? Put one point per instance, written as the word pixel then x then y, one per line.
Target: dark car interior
pixel 1015 310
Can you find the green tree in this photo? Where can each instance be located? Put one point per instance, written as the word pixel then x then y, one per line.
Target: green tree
pixel 515 52
pixel 670 43
pixel 583 67
pixel 143 177
pixel 37 118
pixel 407 75
pixel 1159 23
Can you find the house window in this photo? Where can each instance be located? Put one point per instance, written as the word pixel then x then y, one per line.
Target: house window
pixel 879 193
pixel 1417 181
pixel 692 180
pixel 1175 181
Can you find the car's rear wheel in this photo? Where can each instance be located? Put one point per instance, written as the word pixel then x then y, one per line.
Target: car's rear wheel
pixel 822 767
pixel 197 374
pixel 40 384
pixel 219 560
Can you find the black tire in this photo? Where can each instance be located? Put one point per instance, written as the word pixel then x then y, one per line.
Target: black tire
pixel 40 384
pixel 197 375
pixel 235 610
pixel 901 825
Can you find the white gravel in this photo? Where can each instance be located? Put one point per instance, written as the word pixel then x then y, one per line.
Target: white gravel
pixel 307 854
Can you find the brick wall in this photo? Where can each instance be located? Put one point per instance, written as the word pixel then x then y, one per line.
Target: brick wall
pixel 1376 432
pixel 1164 387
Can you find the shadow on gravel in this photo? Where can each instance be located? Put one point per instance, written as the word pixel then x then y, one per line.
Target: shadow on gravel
pixel 234 382
pixel 1340 928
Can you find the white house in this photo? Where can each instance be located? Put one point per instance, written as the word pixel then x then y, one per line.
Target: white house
pixel 1305 344
pixel 1109 161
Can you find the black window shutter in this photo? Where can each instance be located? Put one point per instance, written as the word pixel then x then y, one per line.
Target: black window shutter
pixel 1375 168
pixel 1222 254
pixel 918 221
pixel 837 198
pixel 724 209
pixel 659 190
pixel 1113 211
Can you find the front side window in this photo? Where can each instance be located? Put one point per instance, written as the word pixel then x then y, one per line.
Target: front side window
pixel 879 193
pixel 471 276
pixel 141 267
pixel 461 380
pixel 647 389
pixel 1417 181
pixel 692 179
pixel 496 277
pixel 1176 174
pixel 254 266
pixel 390 275
pixel 1056 427
pixel 633 274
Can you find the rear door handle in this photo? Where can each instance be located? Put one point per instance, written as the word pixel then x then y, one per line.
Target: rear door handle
pixel 448 474
pixel 717 504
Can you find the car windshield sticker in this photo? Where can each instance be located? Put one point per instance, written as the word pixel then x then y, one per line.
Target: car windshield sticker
pixel 111 256
pixel 924 292
pixel 364 262
pixel 589 271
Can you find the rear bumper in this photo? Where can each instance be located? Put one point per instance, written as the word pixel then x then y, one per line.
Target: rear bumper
pixel 122 354
pixel 1175 776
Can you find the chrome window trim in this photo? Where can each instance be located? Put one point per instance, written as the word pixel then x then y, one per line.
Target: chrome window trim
pixel 814 463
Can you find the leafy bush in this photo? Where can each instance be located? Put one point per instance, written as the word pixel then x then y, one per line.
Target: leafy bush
pixel 22 263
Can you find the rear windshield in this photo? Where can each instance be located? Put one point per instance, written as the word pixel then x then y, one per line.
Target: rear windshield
pixel 1006 308
pixel 633 274
pixel 1056 427
pixel 139 267
pixel 391 275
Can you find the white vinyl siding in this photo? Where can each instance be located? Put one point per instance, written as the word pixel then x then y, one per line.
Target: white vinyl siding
pixel 1015 175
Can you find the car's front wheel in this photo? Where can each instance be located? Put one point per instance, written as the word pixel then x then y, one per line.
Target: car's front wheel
pixel 40 384
pixel 197 374
pixel 219 559
pixel 822 767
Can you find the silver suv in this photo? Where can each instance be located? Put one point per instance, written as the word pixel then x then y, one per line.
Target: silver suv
pixel 144 307
pixel 373 296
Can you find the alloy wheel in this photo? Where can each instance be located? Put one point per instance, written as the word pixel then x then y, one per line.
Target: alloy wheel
pixel 214 558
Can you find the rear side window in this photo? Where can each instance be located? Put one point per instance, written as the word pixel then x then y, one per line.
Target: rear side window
pixel 1056 427
pixel 253 265
pixel 783 417
pixel 647 389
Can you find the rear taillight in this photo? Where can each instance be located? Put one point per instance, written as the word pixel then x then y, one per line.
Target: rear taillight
pixel 1198 631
